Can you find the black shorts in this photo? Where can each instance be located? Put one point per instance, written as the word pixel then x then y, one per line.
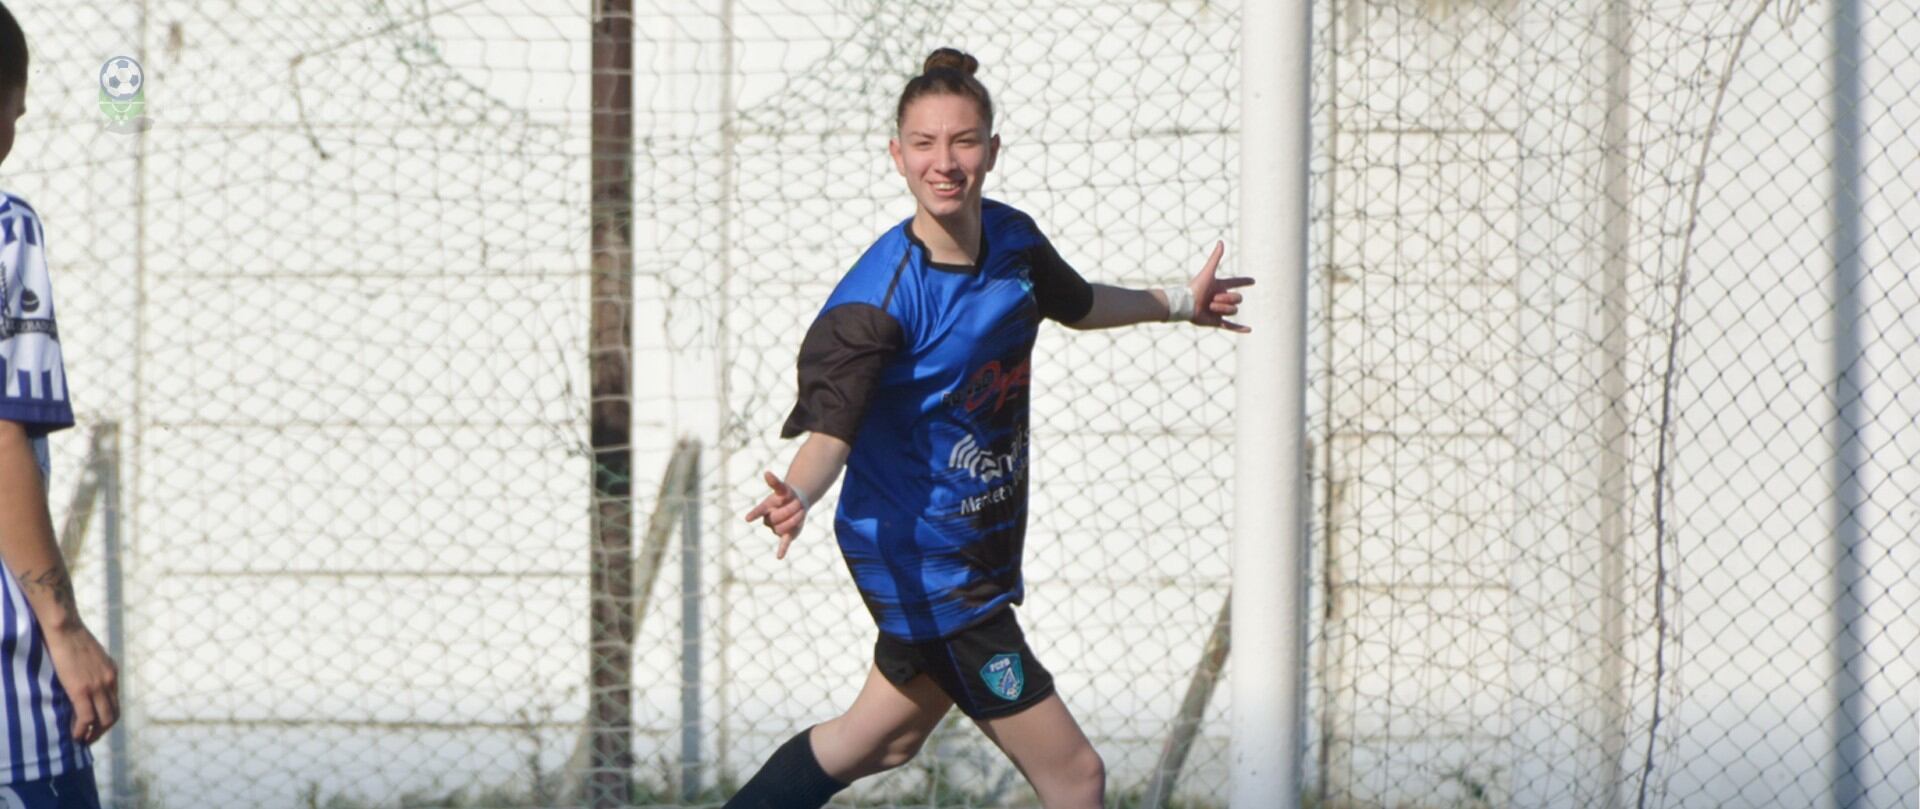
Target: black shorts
pixel 987 669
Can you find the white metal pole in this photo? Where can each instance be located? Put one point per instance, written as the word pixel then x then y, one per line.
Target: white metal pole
pixel 691 742
pixel 1615 439
pixel 120 773
pixel 1270 536
pixel 1850 750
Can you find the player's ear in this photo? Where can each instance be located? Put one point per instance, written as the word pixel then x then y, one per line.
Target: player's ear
pixel 899 159
pixel 993 152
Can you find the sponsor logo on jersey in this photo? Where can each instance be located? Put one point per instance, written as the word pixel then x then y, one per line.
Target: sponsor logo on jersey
pixel 1004 676
pixel 11 326
pixel 11 323
pixel 984 464
pixel 991 383
pixel 978 503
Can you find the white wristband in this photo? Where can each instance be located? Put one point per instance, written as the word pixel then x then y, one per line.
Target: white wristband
pixel 1179 304
pixel 800 496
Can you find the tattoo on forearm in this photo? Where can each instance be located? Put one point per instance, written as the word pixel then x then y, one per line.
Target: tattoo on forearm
pixel 53 580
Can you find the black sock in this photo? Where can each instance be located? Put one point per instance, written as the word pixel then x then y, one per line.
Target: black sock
pixel 791 779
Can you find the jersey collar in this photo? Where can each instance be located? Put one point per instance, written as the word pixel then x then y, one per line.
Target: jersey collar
pixel 957 269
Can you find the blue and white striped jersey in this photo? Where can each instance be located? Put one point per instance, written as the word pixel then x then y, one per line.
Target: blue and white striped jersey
pixel 36 741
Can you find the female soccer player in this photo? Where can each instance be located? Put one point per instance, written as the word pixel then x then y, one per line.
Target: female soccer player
pixel 914 378
pixel 58 689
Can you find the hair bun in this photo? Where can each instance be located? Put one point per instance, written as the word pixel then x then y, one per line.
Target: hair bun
pixel 950 59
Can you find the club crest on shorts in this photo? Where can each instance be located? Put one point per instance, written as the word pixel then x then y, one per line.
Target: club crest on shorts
pixel 1004 677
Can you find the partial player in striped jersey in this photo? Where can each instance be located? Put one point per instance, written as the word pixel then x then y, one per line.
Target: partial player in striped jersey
pixel 915 379
pixel 58 687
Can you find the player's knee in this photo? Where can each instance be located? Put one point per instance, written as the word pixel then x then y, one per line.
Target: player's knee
pixel 1088 769
pixel 873 756
pixel 899 750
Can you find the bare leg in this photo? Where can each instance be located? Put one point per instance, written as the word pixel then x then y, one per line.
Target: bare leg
pixel 1051 751
pixel 884 728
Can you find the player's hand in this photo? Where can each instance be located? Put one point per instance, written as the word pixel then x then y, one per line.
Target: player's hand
pixel 781 512
pixel 1214 298
pixel 91 680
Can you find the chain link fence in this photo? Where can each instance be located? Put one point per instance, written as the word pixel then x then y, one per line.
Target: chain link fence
pixel 1581 499
pixel 1584 508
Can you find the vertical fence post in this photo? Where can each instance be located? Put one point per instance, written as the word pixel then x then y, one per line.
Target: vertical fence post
pixel 108 472
pixel 690 765
pixel 1614 439
pixel 126 502
pixel 611 634
pixel 1850 750
pixel 1268 630
pixel 723 379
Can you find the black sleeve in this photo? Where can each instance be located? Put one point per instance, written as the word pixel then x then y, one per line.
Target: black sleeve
pixel 840 363
pixel 1062 294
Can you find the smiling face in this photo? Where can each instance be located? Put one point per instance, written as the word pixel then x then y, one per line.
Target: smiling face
pixel 944 150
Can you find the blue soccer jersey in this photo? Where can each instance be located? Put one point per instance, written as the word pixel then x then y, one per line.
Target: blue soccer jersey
pixel 36 741
pixel 924 369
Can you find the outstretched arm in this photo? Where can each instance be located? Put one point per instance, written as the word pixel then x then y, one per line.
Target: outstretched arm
pixel 810 476
pixel 27 545
pixel 1213 299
